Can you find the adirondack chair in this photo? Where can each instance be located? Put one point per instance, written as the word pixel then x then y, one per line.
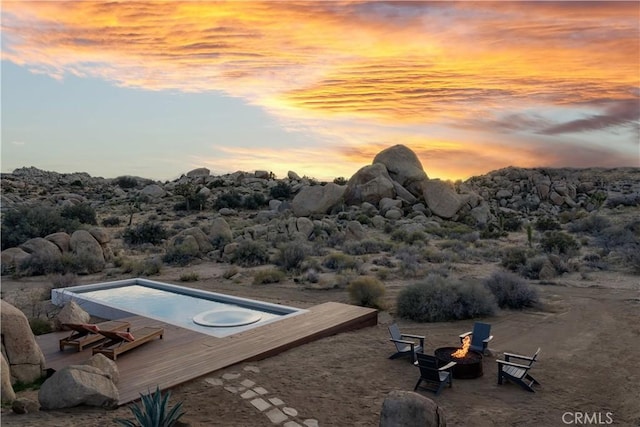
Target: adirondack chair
pixel 405 347
pixel 434 378
pixel 480 337
pixel 518 372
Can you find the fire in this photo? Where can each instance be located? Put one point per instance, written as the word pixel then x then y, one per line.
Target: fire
pixel 462 352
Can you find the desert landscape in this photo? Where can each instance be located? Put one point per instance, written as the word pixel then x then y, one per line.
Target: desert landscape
pixel 584 288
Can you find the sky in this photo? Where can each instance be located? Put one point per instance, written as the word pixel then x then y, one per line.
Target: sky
pixel 156 89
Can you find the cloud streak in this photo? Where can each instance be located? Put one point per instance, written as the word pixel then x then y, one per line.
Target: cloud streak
pixel 339 68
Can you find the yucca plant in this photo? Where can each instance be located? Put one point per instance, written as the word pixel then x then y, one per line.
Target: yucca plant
pixel 153 411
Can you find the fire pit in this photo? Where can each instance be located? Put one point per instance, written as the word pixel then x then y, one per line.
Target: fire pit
pixel 468 362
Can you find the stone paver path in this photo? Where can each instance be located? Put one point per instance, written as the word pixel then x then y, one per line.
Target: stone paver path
pixel 272 407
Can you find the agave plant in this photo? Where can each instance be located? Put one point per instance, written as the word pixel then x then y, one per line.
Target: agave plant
pixel 153 411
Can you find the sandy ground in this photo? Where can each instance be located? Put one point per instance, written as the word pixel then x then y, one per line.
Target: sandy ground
pixel 588 330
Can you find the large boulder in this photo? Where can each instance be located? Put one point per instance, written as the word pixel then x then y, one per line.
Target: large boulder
pixel 11 258
pixel 219 231
pixel 85 247
pixel 317 199
pixel 71 313
pixel 153 191
pixel 76 385
pixel 441 198
pixel 106 365
pixel 369 184
pixel 61 240
pixel 24 356
pixel 410 409
pixel 198 172
pixel 41 248
pixel 403 166
pixel 6 392
pixel 202 243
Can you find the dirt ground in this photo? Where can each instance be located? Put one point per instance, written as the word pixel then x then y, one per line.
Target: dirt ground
pixel 588 329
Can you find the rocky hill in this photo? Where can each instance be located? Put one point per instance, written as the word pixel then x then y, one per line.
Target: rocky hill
pixel 393 192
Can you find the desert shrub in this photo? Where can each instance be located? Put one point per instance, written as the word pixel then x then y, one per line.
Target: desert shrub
pixel 147 232
pixel 189 277
pixel 403 235
pixel 631 257
pixel 254 201
pixel 514 258
pixel 384 261
pixel 409 257
pixel 339 261
pixel 511 291
pixel 363 219
pixel 269 275
pixel 366 291
pixel 291 255
pixel 37 265
pixel 340 180
pixel 126 182
pixel 180 255
pixel 82 212
pixel 437 299
pixel 617 236
pixel 112 221
pixel 147 267
pixel 593 224
pixel 546 224
pixel 250 253
pixel 558 242
pixel 532 268
pixel 281 191
pixel 366 246
pixel 24 223
pixel 153 411
pixel 229 199
pixel 511 223
pixel 40 326
pixel 624 200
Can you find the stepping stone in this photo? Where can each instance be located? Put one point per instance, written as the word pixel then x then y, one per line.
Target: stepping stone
pixel 260 390
pixel 249 394
pixel 230 376
pixel 311 422
pixel 260 404
pixel 276 402
pixel 290 411
pixel 276 416
pixel 248 383
pixel 213 381
pixel 231 389
pixel 251 368
pixel 291 424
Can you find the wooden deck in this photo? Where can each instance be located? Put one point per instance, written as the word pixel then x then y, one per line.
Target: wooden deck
pixel 183 355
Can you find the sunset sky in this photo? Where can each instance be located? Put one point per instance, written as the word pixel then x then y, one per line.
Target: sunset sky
pixel 155 89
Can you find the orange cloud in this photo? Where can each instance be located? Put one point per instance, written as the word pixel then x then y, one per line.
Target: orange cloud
pixel 341 68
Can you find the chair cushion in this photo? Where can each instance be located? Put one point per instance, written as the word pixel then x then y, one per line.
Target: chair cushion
pixel 91 327
pixel 127 336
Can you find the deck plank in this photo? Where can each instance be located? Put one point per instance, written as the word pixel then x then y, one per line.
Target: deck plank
pixel 183 355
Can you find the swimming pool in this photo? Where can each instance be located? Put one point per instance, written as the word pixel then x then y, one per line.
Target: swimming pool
pixel 210 313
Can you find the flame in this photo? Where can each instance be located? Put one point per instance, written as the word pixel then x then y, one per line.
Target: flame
pixel 462 352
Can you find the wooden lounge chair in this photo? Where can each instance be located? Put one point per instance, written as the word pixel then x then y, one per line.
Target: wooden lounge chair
pixel 405 347
pixel 85 334
pixel 435 378
pixel 480 337
pixel 517 372
pixel 119 342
